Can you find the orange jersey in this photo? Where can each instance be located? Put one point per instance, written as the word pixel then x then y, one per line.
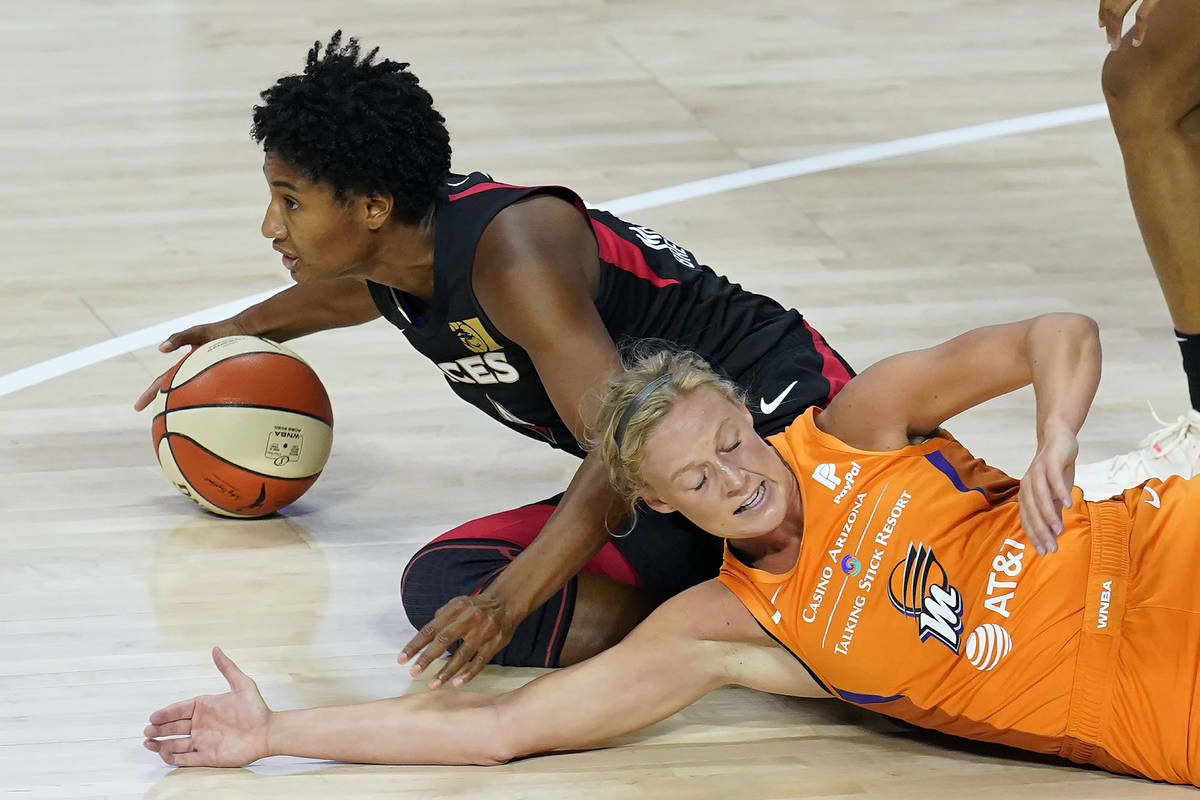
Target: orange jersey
pixel 917 594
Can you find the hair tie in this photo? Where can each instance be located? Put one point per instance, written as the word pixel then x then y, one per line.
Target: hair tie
pixel 636 402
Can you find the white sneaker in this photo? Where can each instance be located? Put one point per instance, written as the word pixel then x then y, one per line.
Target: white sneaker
pixel 1172 450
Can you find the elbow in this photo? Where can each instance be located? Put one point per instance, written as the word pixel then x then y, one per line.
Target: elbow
pixel 499 741
pixel 1080 327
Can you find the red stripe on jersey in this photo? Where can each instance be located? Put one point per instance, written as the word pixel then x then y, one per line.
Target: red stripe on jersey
pixel 482 187
pixel 831 366
pixel 625 255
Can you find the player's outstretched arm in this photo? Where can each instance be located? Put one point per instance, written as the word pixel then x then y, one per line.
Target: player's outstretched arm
pixel 696 642
pixel 294 312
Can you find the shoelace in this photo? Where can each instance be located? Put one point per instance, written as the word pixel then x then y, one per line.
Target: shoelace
pixel 1164 440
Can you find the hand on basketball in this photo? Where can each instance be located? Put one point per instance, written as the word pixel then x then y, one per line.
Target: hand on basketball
pixel 221 730
pixel 193 337
pixel 1112 18
pixel 482 622
pixel 1046 488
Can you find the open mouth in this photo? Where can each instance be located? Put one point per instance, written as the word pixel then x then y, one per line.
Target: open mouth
pixel 754 499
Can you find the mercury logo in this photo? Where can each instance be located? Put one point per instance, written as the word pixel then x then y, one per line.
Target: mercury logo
pixel 920 588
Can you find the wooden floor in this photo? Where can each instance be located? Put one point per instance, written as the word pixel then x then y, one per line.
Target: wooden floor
pixel 131 195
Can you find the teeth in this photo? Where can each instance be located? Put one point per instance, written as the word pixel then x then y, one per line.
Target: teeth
pixel 753 498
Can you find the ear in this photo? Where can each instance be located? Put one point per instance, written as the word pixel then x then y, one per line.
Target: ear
pixel 377 210
pixel 655 503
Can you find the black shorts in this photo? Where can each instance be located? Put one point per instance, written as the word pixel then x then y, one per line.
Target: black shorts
pixel 663 555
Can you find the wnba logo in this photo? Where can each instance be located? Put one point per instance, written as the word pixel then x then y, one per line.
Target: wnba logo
pixel 922 590
pixel 851 566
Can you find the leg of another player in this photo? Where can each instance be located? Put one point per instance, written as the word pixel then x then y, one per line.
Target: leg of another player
pixel 1153 94
pixel 605 611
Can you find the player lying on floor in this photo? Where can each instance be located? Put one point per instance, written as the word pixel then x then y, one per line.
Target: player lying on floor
pixel 869 556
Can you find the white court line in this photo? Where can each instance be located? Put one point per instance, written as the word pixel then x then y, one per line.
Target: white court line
pixel 94 354
pixel 61 365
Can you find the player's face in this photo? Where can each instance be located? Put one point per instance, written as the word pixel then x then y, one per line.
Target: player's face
pixel 317 236
pixel 706 461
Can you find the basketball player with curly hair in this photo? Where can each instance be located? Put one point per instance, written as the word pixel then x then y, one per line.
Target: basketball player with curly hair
pixel 517 295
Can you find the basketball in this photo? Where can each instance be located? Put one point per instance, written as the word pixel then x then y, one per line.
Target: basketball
pixel 242 426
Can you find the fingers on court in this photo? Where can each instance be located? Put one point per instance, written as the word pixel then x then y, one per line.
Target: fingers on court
pixel 165 747
pixel 175 752
pixel 180 727
pixel 176 711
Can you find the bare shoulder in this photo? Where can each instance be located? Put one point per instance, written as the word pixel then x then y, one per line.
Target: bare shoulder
pixel 865 414
pixel 541 230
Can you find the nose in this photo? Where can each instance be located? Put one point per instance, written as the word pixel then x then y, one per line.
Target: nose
pixel 734 477
pixel 272 224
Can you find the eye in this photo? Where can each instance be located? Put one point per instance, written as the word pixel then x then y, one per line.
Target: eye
pixel 700 485
pixel 737 443
pixel 291 203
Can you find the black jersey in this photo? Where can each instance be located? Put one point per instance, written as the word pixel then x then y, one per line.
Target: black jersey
pixel 649 287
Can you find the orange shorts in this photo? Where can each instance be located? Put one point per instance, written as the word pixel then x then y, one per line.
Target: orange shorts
pixel 1135 704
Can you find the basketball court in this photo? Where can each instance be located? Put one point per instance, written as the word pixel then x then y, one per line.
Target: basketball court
pixel 899 172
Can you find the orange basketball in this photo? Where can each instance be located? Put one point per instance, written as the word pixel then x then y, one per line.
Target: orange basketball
pixel 242 426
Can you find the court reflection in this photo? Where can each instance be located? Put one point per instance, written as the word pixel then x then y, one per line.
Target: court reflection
pixel 238 583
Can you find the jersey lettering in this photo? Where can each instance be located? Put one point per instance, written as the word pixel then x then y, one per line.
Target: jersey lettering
pixel 481 369
pixel 809 614
pixel 1105 599
pixel 656 241
pixel 1008 564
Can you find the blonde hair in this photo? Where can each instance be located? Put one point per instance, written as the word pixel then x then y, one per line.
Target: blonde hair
pixel 635 402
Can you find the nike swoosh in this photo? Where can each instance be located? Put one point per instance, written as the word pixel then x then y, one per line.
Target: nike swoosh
pixel 775 595
pixel 1153 499
pixel 459 183
pixel 769 408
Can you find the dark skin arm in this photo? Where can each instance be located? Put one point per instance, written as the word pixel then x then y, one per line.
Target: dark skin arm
pixel 294 312
pixel 535 275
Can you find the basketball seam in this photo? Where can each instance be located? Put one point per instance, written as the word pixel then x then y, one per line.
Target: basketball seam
pixel 234 464
pixel 297 412
pixel 237 355
pixel 207 505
